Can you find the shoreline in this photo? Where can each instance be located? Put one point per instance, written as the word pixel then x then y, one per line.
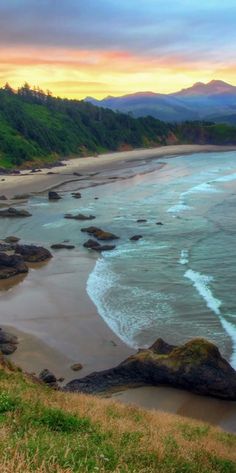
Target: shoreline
pixel 36 183
pixel 33 351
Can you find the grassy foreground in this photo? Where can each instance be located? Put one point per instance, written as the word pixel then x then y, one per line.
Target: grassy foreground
pixel 47 431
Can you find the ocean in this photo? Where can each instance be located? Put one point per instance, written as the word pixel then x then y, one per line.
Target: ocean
pixel 178 281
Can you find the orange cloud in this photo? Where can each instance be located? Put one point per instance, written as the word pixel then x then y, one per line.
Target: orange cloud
pixel 77 73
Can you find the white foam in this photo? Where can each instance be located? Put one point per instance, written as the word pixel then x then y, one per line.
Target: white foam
pixel 227 178
pixel 231 330
pixel 184 257
pixel 180 207
pixel 201 282
pixel 115 303
pixel 59 224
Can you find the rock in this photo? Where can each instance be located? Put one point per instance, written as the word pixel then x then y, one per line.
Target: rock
pixel 60 380
pixel 12 239
pixel 21 196
pixel 77 174
pixel 77 367
pixel 76 195
pixel 6 337
pixel 196 366
pixel 49 173
pixel 11 265
pixel 159 223
pixel 32 253
pixel 14 213
pixel 61 246
pixel 48 378
pixel 79 217
pixel 8 343
pixel 136 237
pixel 52 195
pixel 141 220
pixel 3 197
pixel 160 347
pixel 94 245
pixel 99 234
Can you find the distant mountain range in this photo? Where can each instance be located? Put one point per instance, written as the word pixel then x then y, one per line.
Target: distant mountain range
pixel 215 101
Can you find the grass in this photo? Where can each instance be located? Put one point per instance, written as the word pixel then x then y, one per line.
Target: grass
pixel 47 431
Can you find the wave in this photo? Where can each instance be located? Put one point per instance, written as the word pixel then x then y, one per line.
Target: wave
pixel 201 283
pixel 128 310
pixel 184 259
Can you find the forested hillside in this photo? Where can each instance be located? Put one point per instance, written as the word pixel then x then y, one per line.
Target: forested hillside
pixel 35 126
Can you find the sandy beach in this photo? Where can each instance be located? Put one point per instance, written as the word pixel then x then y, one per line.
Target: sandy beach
pixel 90 340
pixel 105 165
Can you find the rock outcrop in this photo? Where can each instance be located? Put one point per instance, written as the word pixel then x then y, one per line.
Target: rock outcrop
pixel 52 195
pixel 62 246
pixel 33 253
pixel 11 212
pixel 8 342
pixel 196 366
pixel 100 234
pixel 13 258
pixel 94 245
pixel 11 265
pixel 79 217
pixel 136 237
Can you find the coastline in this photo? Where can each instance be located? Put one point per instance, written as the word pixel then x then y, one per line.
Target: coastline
pixel 33 352
pixel 35 183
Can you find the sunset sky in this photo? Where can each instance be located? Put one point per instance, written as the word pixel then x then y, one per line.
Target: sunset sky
pixel 78 48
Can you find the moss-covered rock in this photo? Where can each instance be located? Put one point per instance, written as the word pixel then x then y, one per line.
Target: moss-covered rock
pixel 196 366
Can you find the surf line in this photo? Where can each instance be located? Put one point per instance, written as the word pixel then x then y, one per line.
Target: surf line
pixel 201 283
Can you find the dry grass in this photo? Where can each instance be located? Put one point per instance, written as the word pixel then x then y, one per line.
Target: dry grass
pixel 114 437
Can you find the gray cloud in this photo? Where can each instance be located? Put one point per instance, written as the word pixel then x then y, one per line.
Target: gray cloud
pixel 148 27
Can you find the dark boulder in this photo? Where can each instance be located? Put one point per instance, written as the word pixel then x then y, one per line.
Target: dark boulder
pixel 159 223
pixel 76 367
pixel 14 213
pixel 3 197
pixel 79 217
pixel 196 366
pixel 32 253
pixel 48 378
pixel 94 245
pixel 136 237
pixel 76 195
pixel 11 265
pixel 12 239
pixel 141 220
pixel 99 234
pixel 61 246
pixel 52 195
pixel 8 343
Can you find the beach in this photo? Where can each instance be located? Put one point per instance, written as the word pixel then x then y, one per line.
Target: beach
pixel 116 162
pixel 42 304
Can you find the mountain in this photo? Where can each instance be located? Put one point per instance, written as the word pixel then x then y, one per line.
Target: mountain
pixel 36 128
pixel 199 102
pixel 214 87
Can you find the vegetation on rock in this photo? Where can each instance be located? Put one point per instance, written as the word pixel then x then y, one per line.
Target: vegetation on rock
pixel 48 431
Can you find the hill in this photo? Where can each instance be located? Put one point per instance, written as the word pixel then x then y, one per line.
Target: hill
pixel 49 431
pixel 199 102
pixel 36 128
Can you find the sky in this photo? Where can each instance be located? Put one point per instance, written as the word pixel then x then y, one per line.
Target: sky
pixel 79 48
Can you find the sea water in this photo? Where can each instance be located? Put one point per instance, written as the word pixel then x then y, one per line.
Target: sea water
pixel 178 281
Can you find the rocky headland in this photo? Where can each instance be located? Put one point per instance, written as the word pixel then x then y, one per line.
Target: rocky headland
pixel 196 366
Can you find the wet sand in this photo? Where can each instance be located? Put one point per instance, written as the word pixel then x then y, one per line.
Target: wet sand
pixel 28 182
pixel 55 328
pixel 176 401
